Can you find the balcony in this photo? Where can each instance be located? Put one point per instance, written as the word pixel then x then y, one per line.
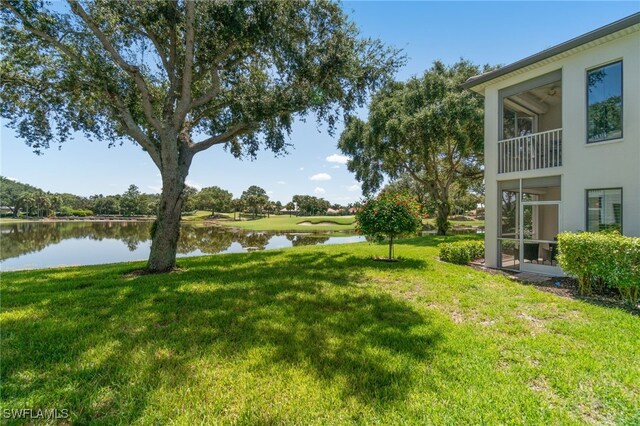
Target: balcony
pixel 534 151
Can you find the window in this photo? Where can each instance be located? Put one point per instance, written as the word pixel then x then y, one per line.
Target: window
pixel 604 209
pixel 604 103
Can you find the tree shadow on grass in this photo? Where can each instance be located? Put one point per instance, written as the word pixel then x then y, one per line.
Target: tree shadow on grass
pixel 100 343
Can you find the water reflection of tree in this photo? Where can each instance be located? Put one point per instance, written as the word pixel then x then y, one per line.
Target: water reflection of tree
pixel 306 239
pixel 18 239
pixel 217 239
pixel 255 240
pixel 205 239
pixel 29 237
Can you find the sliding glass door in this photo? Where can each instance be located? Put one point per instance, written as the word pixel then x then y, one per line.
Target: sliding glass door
pixel 539 230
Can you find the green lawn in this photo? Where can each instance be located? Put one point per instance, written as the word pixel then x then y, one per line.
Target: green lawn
pixel 200 215
pixel 313 335
pixel 286 223
pixel 15 220
pixel 458 223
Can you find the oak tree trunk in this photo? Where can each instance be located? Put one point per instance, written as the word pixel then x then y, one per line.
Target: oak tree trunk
pixel 166 229
pixel 442 218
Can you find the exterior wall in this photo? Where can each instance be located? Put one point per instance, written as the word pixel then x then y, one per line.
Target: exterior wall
pixel 611 164
pixel 551 120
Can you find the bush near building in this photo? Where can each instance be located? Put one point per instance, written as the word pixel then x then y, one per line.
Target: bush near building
pixel 602 259
pixel 461 252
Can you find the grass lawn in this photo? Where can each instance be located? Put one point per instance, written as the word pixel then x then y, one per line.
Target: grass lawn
pixel 458 223
pixel 15 220
pixel 200 215
pixel 286 223
pixel 318 335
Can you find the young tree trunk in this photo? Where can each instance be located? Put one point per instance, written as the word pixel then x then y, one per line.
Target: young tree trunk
pixel 391 247
pixel 166 229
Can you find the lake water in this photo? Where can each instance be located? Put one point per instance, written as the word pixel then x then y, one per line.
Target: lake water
pixel 32 245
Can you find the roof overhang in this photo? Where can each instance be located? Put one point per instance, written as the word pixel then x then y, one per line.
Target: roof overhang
pixel 593 38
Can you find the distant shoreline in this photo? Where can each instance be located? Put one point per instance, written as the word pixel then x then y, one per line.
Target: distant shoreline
pixel 78 219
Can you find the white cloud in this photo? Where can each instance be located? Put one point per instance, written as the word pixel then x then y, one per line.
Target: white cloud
pixel 301 168
pixel 154 188
pixel 269 192
pixel 337 158
pixel 193 184
pixel 12 178
pixel 320 176
pixel 281 182
pixel 335 167
pixel 353 188
pixel 319 190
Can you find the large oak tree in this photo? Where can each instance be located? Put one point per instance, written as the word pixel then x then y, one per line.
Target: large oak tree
pixel 429 128
pixel 178 77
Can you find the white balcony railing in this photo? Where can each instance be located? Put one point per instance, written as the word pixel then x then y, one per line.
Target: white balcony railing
pixel 533 151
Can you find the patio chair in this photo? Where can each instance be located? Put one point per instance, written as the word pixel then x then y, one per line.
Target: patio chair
pixel 531 251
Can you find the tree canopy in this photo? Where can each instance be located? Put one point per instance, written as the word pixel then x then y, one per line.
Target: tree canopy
pixel 214 198
pixel 178 77
pixel 308 204
pixel 255 199
pixel 428 127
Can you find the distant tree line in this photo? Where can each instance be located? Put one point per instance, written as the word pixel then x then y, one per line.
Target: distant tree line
pixel 19 199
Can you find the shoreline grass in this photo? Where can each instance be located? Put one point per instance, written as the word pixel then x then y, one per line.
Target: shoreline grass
pixel 313 335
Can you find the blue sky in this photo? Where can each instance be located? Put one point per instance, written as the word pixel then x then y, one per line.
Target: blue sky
pixel 483 32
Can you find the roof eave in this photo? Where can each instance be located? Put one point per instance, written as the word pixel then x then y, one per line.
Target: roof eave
pixel 599 33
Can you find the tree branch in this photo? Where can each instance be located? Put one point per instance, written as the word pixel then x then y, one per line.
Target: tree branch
pixel 208 97
pixel 173 58
pixel 159 49
pixel 132 128
pixel 187 72
pixel 129 124
pixel 53 41
pixel 234 132
pixel 133 71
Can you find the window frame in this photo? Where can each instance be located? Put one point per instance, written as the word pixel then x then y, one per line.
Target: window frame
pixel 586 87
pixel 586 206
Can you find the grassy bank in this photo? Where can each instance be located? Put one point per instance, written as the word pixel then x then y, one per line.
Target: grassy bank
pixel 15 220
pixel 296 223
pixel 317 335
pixel 280 222
pixel 458 223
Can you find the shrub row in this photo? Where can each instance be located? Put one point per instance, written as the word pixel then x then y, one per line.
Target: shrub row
pixel 602 258
pixel 461 252
pixel 67 211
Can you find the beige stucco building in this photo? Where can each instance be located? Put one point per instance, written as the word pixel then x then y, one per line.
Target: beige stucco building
pixel 562 145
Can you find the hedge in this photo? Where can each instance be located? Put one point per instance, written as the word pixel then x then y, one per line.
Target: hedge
pixel 461 252
pixel 605 258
